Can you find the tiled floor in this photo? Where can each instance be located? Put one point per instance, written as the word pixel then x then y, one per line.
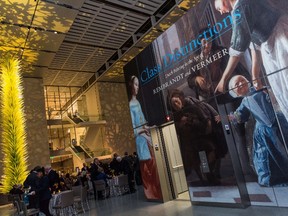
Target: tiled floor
pixel 136 205
pixel 260 196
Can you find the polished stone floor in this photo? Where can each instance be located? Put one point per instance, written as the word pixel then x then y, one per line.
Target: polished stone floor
pixel 136 205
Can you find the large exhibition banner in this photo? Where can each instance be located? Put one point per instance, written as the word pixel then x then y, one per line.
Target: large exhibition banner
pixel 143 118
pixel 220 73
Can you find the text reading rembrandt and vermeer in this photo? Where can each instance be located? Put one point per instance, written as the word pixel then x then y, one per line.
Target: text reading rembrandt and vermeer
pixel 202 63
pixel 178 55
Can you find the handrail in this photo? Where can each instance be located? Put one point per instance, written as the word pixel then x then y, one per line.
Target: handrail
pixel 73 152
pixel 178 166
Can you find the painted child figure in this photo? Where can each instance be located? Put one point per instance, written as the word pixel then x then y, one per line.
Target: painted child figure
pixel 270 157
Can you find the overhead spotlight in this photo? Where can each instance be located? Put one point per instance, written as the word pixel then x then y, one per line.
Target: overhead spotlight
pixel 55 32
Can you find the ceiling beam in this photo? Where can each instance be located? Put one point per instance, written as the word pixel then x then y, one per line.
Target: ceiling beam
pixel 89 45
pixel 121 7
pixel 78 71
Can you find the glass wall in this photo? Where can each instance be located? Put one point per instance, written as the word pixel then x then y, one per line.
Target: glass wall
pixel 220 73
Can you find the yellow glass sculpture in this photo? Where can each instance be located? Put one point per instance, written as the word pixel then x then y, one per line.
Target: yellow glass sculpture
pixel 15 168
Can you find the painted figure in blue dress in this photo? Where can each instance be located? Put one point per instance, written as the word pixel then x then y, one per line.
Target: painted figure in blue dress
pixel 150 178
pixel 270 157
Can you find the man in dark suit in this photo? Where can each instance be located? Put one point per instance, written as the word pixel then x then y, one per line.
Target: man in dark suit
pixel 33 181
pixel 53 176
pixel 44 193
pixel 126 169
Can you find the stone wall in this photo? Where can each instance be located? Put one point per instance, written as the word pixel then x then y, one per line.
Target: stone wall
pixel 36 123
pixel 115 109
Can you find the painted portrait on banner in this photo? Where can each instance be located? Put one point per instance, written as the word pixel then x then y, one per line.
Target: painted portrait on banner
pixel 220 73
pixel 141 128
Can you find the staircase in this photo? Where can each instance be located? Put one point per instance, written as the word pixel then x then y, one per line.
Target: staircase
pixel 90 139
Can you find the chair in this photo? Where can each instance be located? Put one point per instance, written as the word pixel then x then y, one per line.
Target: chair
pixel 65 203
pixel 100 186
pixel 16 202
pixel 122 184
pixel 21 206
pixel 28 212
pixel 80 196
pixel 90 191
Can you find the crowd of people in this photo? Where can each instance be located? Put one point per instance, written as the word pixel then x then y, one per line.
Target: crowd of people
pixel 127 165
pixel 43 182
pixel 39 186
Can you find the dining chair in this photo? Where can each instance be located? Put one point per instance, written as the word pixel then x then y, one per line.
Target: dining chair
pixel 81 196
pixel 16 202
pixel 65 204
pixel 28 212
pixel 100 186
pixel 90 190
pixel 21 207
pixel 122 184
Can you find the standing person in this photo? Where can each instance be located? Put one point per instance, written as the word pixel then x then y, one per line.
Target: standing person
pixel 126 169
pixel 129 159
pixel 32 182
pixel 85 168
pixel 258 26
pixel 97 173
pixel 150 178
pixel 269 154
pixel 54 180
pixel 84 173
pixel 114 165
pixel 44 192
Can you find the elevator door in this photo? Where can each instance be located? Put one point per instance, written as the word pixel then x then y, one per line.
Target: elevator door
pixel 174 159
